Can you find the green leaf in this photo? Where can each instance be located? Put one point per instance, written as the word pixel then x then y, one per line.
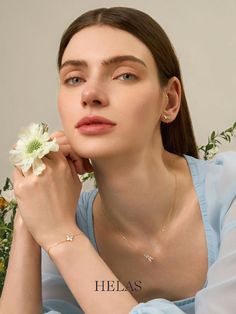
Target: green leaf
pixel 209 146
pixel 213 134
pixel 8 185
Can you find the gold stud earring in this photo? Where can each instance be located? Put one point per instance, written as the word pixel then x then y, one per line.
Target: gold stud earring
pixel 165 117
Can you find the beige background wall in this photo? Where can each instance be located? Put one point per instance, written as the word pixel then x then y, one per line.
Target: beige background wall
pixel 203 33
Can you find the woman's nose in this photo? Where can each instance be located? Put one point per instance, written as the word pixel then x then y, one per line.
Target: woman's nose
pixel 93 96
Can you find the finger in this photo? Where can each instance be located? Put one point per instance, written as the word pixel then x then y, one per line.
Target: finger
pixel 79 167
pixel 57 133
pixel 68 152
pixel 17 177
pixel 82 165
pixel 55 156
pixel 73 169
pixel 60 137
pixel 50 161
pixel 60 140
pixel 17 174
pixel 65 147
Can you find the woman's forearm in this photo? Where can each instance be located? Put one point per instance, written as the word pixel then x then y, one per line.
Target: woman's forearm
pixel 22 289
pixel 84 271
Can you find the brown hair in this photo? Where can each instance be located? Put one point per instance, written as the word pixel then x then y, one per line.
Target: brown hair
pixel 178 136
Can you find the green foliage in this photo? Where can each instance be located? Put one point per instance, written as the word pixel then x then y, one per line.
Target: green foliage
pixel 215 140
pixel 87 176
pixel 7 213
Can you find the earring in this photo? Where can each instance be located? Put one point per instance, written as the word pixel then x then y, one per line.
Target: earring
pixel 165 117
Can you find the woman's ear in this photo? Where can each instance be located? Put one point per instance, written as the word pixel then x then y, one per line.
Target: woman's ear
pixel 172 100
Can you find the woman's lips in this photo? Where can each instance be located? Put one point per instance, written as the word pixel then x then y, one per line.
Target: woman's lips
pixel 94 125
pixel 93 119
pixel 95 128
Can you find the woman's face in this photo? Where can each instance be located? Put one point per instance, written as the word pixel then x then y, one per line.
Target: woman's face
pixel 115 77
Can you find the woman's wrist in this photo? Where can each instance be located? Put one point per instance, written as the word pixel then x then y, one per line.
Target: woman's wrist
pixel 23 238
pixel 57 237
pixel 20 229
pixel 61 247
pixel 24 241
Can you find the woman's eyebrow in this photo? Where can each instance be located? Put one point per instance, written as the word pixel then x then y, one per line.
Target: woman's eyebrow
pixel 119 59
pixel 76 63
pixel 107 62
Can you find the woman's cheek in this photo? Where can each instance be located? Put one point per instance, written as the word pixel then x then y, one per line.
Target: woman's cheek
pixel 67 111
pixel 60 105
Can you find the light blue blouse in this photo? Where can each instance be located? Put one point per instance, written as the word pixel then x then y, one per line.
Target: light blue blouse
pixel 215 185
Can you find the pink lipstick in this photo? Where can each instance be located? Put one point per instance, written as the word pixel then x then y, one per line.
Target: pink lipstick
pixel 92 125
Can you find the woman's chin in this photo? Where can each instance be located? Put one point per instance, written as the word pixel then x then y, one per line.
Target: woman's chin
pixel 94 154
pixel 105 150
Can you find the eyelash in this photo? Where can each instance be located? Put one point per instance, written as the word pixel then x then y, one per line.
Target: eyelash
pixel 68 80
pixel 131 74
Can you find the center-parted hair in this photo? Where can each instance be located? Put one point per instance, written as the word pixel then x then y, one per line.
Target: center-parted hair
pixel 177 136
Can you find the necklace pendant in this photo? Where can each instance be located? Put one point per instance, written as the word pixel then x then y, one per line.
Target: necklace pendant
pixel 148 257
pixel 69 237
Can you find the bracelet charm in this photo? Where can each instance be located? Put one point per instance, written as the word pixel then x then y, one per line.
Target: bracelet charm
pixel 69 238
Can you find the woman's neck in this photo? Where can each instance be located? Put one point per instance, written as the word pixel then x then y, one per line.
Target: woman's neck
pixel 136 194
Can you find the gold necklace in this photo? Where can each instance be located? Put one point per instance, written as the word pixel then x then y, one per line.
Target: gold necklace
pixel 150 258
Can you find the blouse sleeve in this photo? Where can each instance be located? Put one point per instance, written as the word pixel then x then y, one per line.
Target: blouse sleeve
pixel 219 294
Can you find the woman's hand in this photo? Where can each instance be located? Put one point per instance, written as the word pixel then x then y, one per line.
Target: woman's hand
pixel 47 203
pixel 82 165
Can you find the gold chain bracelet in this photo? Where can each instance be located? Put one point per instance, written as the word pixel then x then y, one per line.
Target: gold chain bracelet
pixel 69 238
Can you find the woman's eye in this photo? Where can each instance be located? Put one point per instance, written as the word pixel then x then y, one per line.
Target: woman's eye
pixel 127 77
pixel 75 80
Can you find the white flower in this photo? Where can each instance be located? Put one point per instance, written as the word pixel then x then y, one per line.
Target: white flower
pixel 33 144
pixel 9 195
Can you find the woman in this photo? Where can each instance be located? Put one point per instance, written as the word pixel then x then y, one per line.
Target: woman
pixel 156 236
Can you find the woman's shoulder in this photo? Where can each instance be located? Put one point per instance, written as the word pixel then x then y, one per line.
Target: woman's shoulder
pixel 216 181
pixel 224 164
pixel 221 181
pixel 217 174
pixel 221 168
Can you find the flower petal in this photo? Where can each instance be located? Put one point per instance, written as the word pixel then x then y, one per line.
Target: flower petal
pixel 38 166
pixel 33 144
